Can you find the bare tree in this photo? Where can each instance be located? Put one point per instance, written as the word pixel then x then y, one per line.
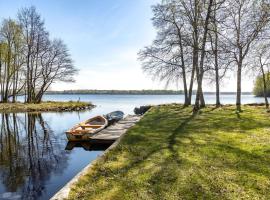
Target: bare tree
pixel 46 61
pixel 219 62
pixel 199 102
pixel 169 54
pixel 261 66
pixel 56 65
pixel 29 61
pixel 246 20
pixel 32 27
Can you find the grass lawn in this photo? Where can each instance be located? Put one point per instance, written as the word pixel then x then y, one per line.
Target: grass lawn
pixel 172 154
pixel 44 106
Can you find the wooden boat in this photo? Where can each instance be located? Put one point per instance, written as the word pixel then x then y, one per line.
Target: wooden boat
pixel 83 131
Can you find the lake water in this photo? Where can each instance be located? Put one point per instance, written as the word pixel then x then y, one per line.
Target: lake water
pixel 35 158
pixel 126 103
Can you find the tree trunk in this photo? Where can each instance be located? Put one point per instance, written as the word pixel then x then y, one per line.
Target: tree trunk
pixel 265 95
pixel 216 60
pixel 200 70
pixel 202 97
pixel 186 103
pixel 197 98
pixel 1 74
pixel 217 90
pixel 217 80
pixel 191 85
pixel 195 54
pixel 264 88
pixel 197 102
pixel 28 77
pixel 239 76
pixel 6 94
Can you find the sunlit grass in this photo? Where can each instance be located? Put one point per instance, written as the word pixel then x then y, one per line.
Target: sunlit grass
pixel 172 154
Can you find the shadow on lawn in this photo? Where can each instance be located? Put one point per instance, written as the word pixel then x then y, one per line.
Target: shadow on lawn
pixel 154 146
pixel 175 133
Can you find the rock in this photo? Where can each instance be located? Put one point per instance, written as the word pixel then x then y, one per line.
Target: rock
pixel 141 110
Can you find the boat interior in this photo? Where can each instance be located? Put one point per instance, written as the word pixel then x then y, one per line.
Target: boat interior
pixel 87 126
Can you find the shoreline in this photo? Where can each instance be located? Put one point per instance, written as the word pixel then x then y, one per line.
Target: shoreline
pixel 45 106
pixel 64 192
pixel 139 93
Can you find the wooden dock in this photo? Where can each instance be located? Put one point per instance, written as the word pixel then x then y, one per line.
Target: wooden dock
pixel 115 131
pixel 110 135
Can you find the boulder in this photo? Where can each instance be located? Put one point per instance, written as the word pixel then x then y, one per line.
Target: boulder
pixel 141 110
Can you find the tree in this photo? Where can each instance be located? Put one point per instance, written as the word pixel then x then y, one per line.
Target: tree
pixel 46 61
pixel 218 58
pixel 33 31
pixel 10 58
pixel 30 62
pixel 261 64
pixel 246 20
pixel 168 58
pixel 199 102
pixel 56 65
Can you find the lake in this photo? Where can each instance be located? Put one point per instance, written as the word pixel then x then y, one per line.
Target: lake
pixel 35 158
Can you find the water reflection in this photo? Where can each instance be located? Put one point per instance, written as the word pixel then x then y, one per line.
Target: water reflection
pixel 88 146
pixel 29 154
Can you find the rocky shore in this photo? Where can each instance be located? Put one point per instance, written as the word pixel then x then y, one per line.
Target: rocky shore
pixel 48 106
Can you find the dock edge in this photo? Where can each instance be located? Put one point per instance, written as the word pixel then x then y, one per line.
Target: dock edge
pixel 64 191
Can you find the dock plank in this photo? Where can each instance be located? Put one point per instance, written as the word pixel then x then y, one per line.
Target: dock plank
pixel 116 130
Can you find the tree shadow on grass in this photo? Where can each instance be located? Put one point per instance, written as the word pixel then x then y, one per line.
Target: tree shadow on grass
pixel 172 138
pixel 146 150
pixel 250 162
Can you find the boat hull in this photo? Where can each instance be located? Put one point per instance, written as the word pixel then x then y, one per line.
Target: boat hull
pixel 79 137
pixel 114 116
pixel 86 129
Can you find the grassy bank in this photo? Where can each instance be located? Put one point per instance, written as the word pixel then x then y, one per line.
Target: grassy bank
pixel 172 154
pixel 44 106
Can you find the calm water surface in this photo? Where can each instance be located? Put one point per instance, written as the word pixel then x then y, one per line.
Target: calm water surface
pixel 35 158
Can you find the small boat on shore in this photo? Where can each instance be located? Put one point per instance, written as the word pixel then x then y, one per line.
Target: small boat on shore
pixel 114 116
pixel 84 130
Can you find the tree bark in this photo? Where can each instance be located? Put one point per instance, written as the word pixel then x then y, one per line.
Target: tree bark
pixel 264 88
pixel 191 85
pixel 216 61
pixel 200 71
pixel 186 103
pixel 238 93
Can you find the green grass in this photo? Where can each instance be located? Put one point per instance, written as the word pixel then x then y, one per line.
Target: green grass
pixel 172 154
pixel 44 106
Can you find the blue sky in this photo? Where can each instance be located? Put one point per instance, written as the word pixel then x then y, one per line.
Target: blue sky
pixel 103 36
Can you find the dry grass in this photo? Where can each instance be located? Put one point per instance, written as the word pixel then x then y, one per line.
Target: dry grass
pixel 44 106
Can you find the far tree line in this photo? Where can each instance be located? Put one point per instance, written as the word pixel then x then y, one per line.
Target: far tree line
pixel 30 61
pixel 200 41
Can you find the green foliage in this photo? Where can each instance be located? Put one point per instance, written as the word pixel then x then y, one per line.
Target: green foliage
pixel 258 87
pixel 172 154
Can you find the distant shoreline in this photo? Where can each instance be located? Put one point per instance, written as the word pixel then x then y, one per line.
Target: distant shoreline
pixel 134 92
